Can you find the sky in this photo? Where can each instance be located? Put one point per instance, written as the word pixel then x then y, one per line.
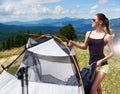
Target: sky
pixel 28 10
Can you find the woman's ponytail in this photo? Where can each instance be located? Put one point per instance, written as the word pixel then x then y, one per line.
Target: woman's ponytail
pixel 105 23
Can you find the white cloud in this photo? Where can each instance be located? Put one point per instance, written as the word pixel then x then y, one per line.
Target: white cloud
pixel 103 1
pixel 35 9
pixel 6 9
pixel 59 10
pixel 96 6
pixel 93 8
pixel 27 9
pixel 113 10
pixel 31 12
pixel 39 1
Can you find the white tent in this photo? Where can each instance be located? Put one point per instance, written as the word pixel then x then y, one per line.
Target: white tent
pixel 51 68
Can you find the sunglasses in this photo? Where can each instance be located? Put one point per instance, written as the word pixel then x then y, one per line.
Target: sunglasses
pixel 94 20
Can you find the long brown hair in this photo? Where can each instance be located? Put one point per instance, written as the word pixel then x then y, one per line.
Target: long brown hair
pixel 105 20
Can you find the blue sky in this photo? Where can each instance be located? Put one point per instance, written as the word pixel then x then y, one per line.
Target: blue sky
pixel 26 10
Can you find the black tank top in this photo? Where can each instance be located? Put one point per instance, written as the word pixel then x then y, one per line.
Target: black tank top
pixel 96 48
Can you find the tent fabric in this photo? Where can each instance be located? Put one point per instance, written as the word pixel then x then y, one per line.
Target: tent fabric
pixel 44 49
pixel 34 88
pixel 51 69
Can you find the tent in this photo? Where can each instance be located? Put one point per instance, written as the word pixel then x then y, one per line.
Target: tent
pixel 47 66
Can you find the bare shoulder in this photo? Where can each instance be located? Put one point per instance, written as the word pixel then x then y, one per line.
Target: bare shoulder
pixel 108 37
pixel 87 33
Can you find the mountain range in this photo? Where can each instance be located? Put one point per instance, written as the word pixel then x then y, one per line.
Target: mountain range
pixel 51 25
pixel 78 24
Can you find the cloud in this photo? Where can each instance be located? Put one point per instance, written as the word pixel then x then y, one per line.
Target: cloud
pixel 60 10
pixel 93 8
pixel 6 9
pixel 38 1
pixel 96 6
pixel 103 1
pixel 17 11
pixel 116 12
pixel 37 9
pixel 27 9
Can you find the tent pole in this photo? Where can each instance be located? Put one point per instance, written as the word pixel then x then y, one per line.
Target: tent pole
pixel 23 73
pixel 26 78
pixel 22 84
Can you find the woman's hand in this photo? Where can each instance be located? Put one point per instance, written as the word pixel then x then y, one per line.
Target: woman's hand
pixel 99 63
pixel 70 41
pixel 79 45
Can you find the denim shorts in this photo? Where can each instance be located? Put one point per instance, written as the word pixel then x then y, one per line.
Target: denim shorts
pixel 104 68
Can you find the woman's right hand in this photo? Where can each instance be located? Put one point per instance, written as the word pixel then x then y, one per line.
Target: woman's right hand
pixel 71 42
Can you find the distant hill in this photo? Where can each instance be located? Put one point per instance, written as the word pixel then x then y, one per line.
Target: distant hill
pixel 12 30
pixel 115 23
pixel 51 26
pixel 79 24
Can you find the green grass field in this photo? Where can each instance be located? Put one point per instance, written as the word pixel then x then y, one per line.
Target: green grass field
pixel 111 83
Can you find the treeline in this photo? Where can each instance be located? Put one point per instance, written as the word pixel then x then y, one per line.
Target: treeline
pixel 14 41
pixel 67 32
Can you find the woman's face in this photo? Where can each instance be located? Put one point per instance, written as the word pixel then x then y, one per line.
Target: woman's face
pixel 95 22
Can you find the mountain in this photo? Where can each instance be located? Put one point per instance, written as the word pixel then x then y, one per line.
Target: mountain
pixel 79 24
pixel 51 26
pixel 12 30
pixel 115 23
pixel 5 28
pixel 43 22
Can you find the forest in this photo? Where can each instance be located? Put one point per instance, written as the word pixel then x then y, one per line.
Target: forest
pixel 20 39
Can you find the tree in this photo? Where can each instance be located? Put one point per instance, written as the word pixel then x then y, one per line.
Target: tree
pixel 12 42
pixel 3 46
pixel 9 43
pixel 68 32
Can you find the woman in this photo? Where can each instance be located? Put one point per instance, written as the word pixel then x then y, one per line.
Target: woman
pixel 96 40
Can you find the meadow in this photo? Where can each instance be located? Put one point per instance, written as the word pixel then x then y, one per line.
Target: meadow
pixel 111 83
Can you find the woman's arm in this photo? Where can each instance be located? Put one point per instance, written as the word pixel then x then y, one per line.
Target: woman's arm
pixel 82 45
pixel 109 42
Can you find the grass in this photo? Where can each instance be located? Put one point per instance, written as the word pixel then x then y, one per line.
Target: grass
pixel 8 53
pixel 111 83
pixel 6 57
pixel 13 70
